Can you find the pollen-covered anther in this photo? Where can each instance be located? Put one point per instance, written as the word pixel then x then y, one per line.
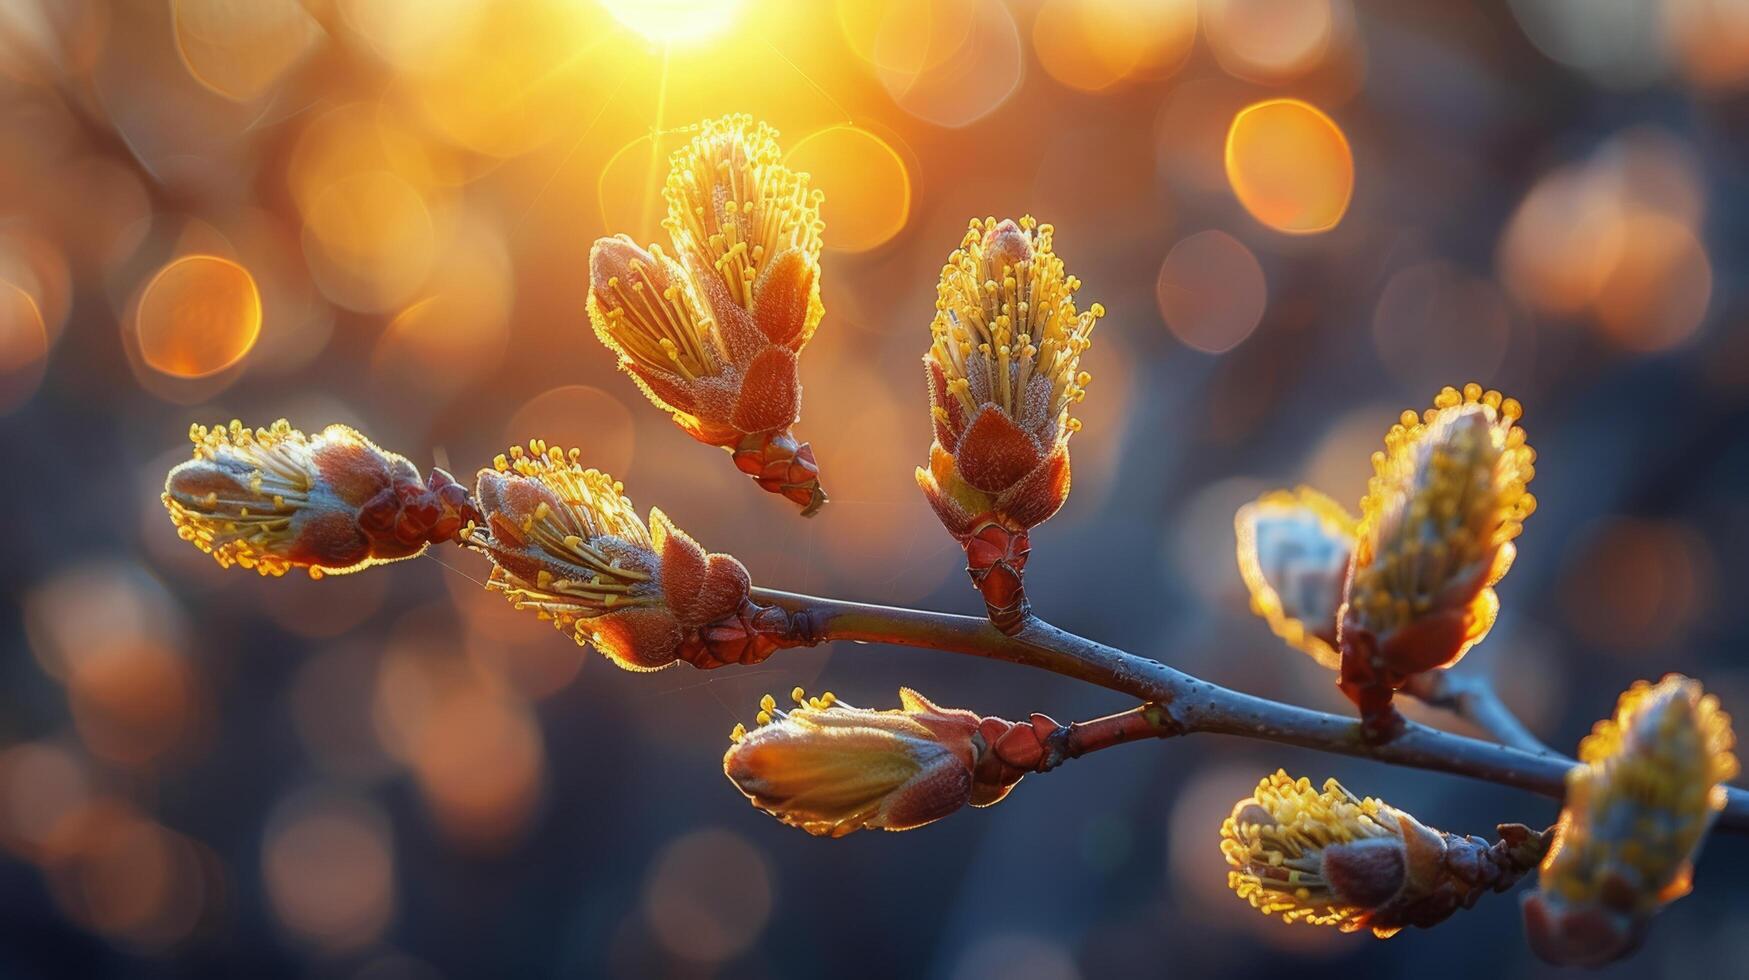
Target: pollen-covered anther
pixel 275 499
pixel 1446 499
pixel 1328 857
pixel 1003 370
pixel 1638 807
pixel 711 334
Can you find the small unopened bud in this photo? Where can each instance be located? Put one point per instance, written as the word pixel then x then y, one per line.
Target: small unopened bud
pixel 1294 549
pixel 567 544
pixel 1004 371
pixel 274 499
pixel 1638 807
pixel 712 334
pixel 1446 499
pixel 1330 858
pixel 833 769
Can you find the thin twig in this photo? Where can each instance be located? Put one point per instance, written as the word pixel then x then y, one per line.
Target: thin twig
pixel 1474 698
pixel 1190 703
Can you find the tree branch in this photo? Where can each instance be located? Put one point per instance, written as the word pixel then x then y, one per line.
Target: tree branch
pixel 1474 698
pixel 1189 704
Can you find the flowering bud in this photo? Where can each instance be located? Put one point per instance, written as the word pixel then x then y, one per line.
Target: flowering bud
pixel 566 543
pixel 832 769
pixel 274 499
pixel 1294 549
pixel 1003 370
pixel 712 335
pixel 1332 858
pixel 1637 809
pixel 1446 499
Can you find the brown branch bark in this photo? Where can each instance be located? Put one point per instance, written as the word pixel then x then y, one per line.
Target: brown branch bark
pixel 1188 704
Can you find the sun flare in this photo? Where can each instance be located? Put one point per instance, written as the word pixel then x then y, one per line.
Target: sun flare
pixel 675 22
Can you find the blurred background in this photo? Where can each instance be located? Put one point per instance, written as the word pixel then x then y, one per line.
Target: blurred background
pixel 1304 216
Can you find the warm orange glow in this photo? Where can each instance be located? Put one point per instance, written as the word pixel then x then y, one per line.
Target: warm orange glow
pixel 1269 40
pixel 981 73
pixel 1637 586
pixel 23 340
pixel 239 48
pixel 629 186
pixel 867 186
pixel 1434 321
pixel 1709 40
pixel 369 240
pixel 45 790
pixel 328 866
pixel 198 316
pixel 579 417
pixel 907 37
pixel 708 897
pixel 676 22
pixel 1211 291
pixel 1093 45
pixel 1290 166
pixel 460 328
pixel 1616 238
pixel 1657 295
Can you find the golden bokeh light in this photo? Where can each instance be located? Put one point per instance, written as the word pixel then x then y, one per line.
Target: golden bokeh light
pixel 675 22
pixel 1562 241
pixel 1290 166
pixel 906 37
pixel 1435 321
pixel 24 344
pixel 132 879
pixel 518 73
pixel 133 703
pixel 408 35
pixel 1637 586
pixel 1211 291
pixel 329 869
pixel 240 48
pixel 1709 41
pixel 45 792
pixel 1269 40
pixel 469 740
pixel 198 316
pixel 981 74
pixel 370 241
pixel 1616 239
pixel 39 268
pixel 629 187
pixel 865 180
pixel 363 137
pixel 1657 296
pixel 459 329
pixel 709 896
pixel 1093 45
pixel 580 417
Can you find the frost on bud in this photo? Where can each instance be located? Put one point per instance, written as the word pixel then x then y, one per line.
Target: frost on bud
pixel 711 335
pixel 1294 548
pixel 566 543
pixel 1004 370
pixel 1650 782
pixel 1331 858
pixel 274 499
pixel 1446 499
pixel 832 769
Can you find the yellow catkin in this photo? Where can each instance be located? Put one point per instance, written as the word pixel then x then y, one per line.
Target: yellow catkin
pixel 1005 315
pixel 1275 839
